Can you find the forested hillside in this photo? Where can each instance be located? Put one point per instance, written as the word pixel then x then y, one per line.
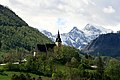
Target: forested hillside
pixel 20 37
pixel 9 18
pixel 15 33
pixel 105 45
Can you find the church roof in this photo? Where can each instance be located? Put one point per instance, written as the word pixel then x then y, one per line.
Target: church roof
pixel 44 47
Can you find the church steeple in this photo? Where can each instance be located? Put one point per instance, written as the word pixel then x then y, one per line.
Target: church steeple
pixel 58 40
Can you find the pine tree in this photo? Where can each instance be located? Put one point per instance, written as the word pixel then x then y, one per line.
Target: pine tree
pixel 100 68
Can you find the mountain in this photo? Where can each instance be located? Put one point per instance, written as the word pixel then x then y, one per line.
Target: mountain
pixel 75 38
pixel 93 31
pixel 105 44
pixel 49 35
pixel 79 38
pixel 16 34
pixel 9 18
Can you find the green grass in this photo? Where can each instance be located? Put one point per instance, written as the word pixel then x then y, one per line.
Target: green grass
pixel 45 78
pixel 62 68
pixel 8 74
pixel 1 67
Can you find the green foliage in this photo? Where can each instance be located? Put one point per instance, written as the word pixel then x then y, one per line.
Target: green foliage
pixel 15 33
pixel 66 63
pixel 65 54
pixel 24 37
pixel 39 65
pixel 75 74
pixel 13 67
pixel 57 75
pixel 1 71
pixel 74 62
pixel 33 64
pixel 24 77
pixel 9 18
pixel 7 75
pixel 113 69
pixel 100 68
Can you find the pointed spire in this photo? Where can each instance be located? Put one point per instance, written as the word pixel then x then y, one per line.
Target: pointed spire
pixel 58 39
pixel 58 34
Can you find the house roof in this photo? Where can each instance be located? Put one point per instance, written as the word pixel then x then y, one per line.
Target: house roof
pixel 45 47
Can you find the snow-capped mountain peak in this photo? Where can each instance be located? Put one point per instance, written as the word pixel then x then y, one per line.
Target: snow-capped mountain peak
pixel 74 29
pixel 48 34
pixel 80 38
pixel 91 28
pixel 93 31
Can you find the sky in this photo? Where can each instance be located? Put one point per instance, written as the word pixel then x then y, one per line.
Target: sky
pixel 52 15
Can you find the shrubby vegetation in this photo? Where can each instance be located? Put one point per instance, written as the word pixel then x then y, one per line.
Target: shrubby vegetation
pixel 24 37
pixel 67 63
pixel 24 77
pixel 113 69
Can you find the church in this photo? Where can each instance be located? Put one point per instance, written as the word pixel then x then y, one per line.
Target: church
pixel 46 47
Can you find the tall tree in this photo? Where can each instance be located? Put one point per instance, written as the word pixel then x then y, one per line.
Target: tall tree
pixel 113 69
pixel 100 68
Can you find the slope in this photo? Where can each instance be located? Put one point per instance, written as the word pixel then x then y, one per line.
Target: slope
pixel 9 18
pixel 105 44
pixel 15 33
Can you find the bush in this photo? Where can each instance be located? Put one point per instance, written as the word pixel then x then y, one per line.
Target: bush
pixel 1 71
pixel 12 67
pixel 57 75
pixel 24 77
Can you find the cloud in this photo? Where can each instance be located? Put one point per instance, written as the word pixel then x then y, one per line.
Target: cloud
pixel 49 14
pixel 109 9
pixel 60 21
pixel 4 2
pixel 86 1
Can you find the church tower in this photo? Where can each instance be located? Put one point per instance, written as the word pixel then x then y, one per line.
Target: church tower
pixel 58 40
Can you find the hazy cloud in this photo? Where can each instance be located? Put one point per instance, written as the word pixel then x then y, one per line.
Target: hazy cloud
pixel 109 9
pixel 49 14
pixel 60 21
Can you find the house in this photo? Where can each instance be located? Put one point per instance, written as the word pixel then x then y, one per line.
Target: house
pixel 94 66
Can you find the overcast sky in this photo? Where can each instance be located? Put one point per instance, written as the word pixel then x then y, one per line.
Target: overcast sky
pixel 52 15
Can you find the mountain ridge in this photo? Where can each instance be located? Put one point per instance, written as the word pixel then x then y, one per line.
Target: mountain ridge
pixel 105 45
pixel 79 38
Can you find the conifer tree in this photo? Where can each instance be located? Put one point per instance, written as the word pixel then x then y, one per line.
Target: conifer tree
pixel 100 68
